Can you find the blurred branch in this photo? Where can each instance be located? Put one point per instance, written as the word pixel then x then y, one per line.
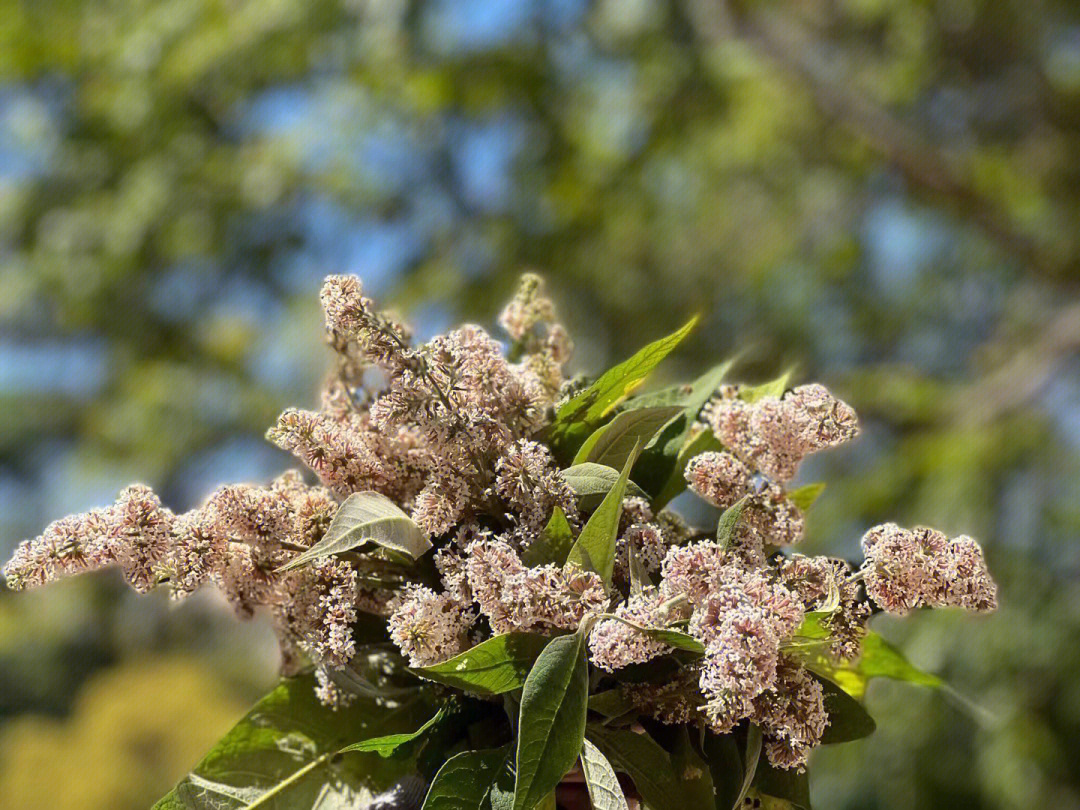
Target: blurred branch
pixel 1019 380
pixel 920 163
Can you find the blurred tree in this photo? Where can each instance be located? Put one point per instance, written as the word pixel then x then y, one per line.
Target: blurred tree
pixel 881 192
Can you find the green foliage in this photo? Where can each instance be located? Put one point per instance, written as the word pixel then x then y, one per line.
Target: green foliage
pixel 805 496
pixel 641 758
pixel 605 793
pixel 500 664
pixel 729 521
pixel 551 727
pixel 577 417
pixel 594 549
pixel 367 517
pixel 879 659
pixel 591 482
pixel 612 444
pixel 780 789
pixel 391 744
pixel 675 484
pixel 773 388
pixel 467 780
pixel 694 775
pixel 287 747
pixel 554 543
pixel 660 468
pixel 730 767
pixel 848 720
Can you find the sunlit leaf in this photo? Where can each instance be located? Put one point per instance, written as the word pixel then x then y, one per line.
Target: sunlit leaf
pixel 551 727
pixel 285 753
pixel 605 793
pixel 583 412
pixel 805 496
pixel 492 667
pixel 612 444
pixel 367 517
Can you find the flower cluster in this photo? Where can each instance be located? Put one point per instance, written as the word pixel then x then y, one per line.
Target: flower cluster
pixel 910 568
pixel 774 434
pixel 456 435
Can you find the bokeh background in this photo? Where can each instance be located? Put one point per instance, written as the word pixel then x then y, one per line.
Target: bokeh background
pixel 885 193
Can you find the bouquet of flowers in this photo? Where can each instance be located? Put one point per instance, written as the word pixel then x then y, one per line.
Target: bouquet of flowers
pixel 485 603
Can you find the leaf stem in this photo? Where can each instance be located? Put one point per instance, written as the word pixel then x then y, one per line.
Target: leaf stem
pixel 289 781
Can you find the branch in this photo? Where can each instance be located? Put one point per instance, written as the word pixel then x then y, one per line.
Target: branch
pixel 918 161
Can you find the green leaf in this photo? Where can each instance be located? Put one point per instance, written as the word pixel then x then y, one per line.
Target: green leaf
pixel 553 544
pixel 773 388
pixel 661 466
pixel 604 790
pixel 392 743
pixel 693 772
pixel 610 703
pixel 701 442
pixel 726 765
pixel 551 726
pixel 689 396
pixel 848 720
pixel 492 667
pixel 367 517
pixel 729 520
pixel 804 496
pixel 751 756
pixel 591 482
pixel 578 416
pixel 641 758
pixel 595 546
pixel 283 753
pixel 613 443
pixel 677 639
pixel 786 788
pixel 879 659
pixel 467 780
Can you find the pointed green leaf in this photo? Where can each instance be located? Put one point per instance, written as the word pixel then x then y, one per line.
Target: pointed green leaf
pixel 879 659
pixel 641 758
pixel 467 780
pixel 804 496
pixel 610 703
pixel 726 765
pixel 689 396
pixel 692 771
pixel 283 753
pixel 773 388
pixel 785 788
pixel 367 517
pixel 578 416
pixel 750 762
pixel 553 544
pixel 492 667
pixel 677 639
pixel 848 720
pixel 392 743
pixel 613 443
pixel 591 482
pixel 660 468
pixel 551 726
pixel 595 546
pixel 604 790
pixel 701 442
pixel 729 520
